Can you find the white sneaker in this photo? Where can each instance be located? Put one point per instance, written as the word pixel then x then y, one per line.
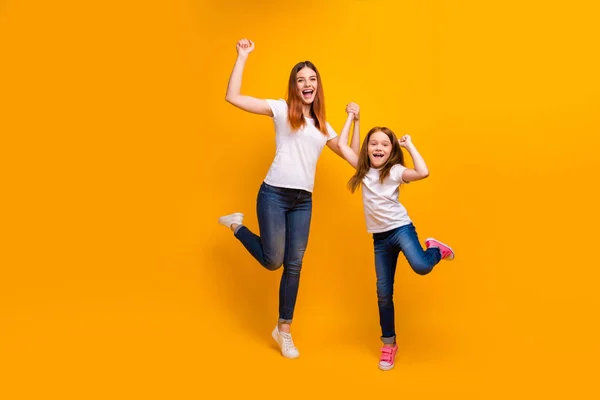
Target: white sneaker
pixel 286 343
pixel 228 220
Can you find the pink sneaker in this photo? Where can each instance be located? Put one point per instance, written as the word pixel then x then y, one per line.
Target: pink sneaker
pixel 447 252
pixel 388 354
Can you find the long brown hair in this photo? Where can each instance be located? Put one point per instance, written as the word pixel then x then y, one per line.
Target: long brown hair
pixel 364 163
pixel 317 108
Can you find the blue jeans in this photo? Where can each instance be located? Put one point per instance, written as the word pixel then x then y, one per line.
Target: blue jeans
pixel 284 222
pixel 387 246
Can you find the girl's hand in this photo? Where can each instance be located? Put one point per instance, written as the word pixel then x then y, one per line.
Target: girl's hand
pixel 353 108
pixel 405 141
pixel 244 47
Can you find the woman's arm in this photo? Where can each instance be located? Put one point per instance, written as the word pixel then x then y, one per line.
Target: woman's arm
pixel 247 103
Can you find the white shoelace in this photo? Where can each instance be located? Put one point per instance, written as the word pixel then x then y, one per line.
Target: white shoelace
pixel 288 343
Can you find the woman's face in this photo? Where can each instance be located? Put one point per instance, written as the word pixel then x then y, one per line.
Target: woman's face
pixel 306 83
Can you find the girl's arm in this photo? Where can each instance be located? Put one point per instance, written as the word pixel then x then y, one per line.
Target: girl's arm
pixel 251 104
pixel 334 144
pixel 420 170
pixel 348 152
pixel 355 142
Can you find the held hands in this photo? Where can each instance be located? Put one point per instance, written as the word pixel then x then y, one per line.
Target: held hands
pixel 354 109
pixel 244 47
pixel 405 141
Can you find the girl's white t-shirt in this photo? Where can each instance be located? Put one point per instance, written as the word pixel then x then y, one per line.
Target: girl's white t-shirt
pixel 383 210
pixel 297 152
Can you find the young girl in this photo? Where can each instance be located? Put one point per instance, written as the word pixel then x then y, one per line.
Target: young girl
pixel 284 203
pixel 380 170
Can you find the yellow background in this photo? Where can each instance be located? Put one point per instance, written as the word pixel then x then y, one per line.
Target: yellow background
pixel 119 153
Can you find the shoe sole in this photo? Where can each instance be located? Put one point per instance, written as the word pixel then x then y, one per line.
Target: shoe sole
pixel 435 240
pixel 381 367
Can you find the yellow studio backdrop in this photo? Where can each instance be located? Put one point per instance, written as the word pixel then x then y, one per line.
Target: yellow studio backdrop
pixel 119 153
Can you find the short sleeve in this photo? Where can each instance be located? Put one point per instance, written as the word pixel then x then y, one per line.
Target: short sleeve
pixel 396 173
pixel 331 133
pixel 279 109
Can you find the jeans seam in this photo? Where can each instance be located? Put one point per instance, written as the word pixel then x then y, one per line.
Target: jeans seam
pixel 285 277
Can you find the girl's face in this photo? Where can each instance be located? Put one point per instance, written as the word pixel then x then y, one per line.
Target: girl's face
pixel 379 149
pixel 306 83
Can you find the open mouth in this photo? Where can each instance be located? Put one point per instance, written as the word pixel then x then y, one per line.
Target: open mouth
pixel 307 93
pixel 378 155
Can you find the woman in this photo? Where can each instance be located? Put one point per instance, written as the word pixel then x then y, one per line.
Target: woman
pixel 284 203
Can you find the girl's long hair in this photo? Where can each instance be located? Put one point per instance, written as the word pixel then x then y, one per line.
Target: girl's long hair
pixel 364 163
pixel 317 108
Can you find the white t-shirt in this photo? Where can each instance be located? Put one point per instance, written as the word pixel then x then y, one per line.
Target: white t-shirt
pixel 297 152
pixel 383 210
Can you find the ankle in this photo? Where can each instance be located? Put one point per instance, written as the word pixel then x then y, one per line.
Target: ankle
pixel 284 328
pixel 233 227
